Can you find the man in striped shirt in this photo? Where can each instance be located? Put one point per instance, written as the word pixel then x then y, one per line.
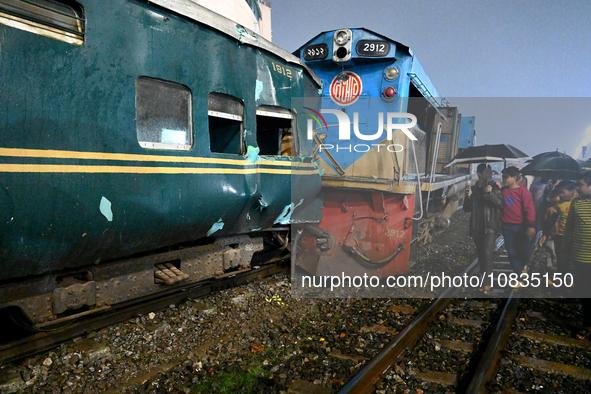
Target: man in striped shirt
pixel 576 244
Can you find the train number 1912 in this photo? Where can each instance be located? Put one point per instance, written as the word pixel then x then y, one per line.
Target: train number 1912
pixel 316 52
pixel 282 70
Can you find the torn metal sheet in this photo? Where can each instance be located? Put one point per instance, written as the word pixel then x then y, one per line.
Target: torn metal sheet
pixel 252 153
pixel 210 18
pixel 285 216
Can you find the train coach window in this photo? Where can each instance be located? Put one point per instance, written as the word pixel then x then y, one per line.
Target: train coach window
pixel 61 20
pixel 274 131
pixel 225 115
pixel 163 114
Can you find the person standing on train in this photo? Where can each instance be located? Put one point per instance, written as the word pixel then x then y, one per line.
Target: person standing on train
pixel 484 202
pixel 518 220
pixel 576 244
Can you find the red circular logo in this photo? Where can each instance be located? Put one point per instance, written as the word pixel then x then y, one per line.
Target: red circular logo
pixel 345 91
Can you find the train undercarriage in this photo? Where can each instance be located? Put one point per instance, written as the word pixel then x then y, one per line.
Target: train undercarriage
pixel 55 299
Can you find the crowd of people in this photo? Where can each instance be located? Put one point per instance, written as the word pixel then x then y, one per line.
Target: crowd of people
pixel 559 211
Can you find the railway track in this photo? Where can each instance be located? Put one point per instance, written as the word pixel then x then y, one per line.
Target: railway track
pixel 535 348
pixel 493 354
pixel 297 344
pixel 374 372
pixel 45 340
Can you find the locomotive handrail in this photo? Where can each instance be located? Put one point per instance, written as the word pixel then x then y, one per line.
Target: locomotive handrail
pixel 356 252
pixel 418 182
pixel 434 162
pixel 416 80
pixel 378 218
pixel 332 160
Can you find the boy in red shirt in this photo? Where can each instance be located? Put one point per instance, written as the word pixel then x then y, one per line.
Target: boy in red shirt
pixel 518 219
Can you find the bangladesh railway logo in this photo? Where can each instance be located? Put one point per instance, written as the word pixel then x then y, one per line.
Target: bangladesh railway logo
pixel 345 88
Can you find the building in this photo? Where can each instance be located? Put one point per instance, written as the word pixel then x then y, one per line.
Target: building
pixel 252 14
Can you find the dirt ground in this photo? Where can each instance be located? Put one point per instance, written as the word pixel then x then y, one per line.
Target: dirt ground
pixel 452 249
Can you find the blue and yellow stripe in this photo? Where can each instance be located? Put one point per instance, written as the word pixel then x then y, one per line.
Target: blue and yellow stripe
pixel 243 166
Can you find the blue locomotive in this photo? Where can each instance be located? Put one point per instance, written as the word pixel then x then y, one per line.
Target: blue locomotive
pixel 383 136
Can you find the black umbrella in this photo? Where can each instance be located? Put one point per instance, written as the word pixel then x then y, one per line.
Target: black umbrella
pixel 546 155
pixel 488 154
pixel 557 167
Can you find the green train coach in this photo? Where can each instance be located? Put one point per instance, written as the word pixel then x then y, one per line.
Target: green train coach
pixel 143 145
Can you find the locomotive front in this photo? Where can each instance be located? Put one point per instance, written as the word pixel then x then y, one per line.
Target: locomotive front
pixel 373 133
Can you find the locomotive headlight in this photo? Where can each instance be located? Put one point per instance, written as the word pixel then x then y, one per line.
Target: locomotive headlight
pixel 342 41
pixel 391 73
pixel 342 37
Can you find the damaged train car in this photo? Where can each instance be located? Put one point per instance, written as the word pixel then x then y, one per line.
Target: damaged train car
pixel 143 145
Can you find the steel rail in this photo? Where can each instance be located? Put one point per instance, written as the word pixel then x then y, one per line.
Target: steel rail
pixel 488 366
pixel 44 341
pixel 365 380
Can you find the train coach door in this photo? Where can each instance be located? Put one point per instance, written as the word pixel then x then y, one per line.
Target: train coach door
pixel 275 139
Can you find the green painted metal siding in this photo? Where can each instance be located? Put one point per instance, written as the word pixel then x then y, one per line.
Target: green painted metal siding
pixel 65 97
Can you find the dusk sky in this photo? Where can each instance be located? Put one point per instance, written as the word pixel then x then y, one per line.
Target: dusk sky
pixel 523 68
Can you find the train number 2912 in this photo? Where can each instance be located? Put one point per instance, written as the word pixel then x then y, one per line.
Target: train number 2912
pixel 395 233
pixel 282 70
pixel 373 47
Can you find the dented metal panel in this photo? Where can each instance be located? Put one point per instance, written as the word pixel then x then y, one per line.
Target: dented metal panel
pixel 370 233
pixel 70 201
pixel 200 14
